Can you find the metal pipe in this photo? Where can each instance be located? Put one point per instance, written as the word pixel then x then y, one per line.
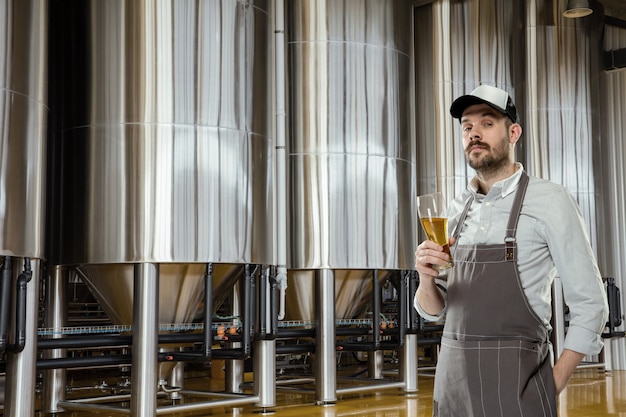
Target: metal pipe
pixel 76 406
pixel 408 366
pixel 293 349
pixel 414 318
pixel 373 387
pixel 265 347
pixel 145 328
pixel 428 341
pixel 375 362
pixel 294 333
pixel 233 369
pixel 326 370
pixel 274 316
pixel 368 346
pixel 354 331
pixel 265 372
pixel 91 404
pixel 123 359
pixel 54 380
pixel 268 304
pixel 177 379
pixel 262 312
pixel 84 362
pixel 376 301
pixel 91 341
pixel 295 381
pixel 20 307
pixel 208 310
pixel 183 408
pixel 5 302
pixel 194 393
pixel 21 366
pixel 249 305
pixel 280 202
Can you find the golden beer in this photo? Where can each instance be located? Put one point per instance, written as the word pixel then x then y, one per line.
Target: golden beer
pixel 436 229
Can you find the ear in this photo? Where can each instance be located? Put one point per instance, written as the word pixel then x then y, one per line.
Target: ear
pixel 515 132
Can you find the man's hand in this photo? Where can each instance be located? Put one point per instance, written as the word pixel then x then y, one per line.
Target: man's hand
pixel 428 295
pixel 429 253
pixel 564 368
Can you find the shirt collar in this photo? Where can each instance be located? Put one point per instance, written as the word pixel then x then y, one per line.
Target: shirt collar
pixel 503 187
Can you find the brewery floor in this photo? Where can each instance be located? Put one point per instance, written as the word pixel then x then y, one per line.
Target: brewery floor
pixel 591 392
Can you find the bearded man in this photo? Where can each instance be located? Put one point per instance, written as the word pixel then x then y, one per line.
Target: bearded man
pixel 511 235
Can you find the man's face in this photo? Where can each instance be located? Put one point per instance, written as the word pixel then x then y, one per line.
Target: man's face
pixel 486 138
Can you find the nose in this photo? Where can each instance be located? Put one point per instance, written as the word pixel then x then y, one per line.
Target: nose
pixel 474 134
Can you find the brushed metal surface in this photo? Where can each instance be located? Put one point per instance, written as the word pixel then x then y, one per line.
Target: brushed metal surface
pixel 353 289
pixel 562 128
pixel 181 289
pixel 461 45
pixel 161 147
pixel 350 148
pixel 23 116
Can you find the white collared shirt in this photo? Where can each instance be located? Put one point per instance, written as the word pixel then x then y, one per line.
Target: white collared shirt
pixel 551 236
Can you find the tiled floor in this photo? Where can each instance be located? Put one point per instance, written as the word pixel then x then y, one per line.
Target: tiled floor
pixel 591 393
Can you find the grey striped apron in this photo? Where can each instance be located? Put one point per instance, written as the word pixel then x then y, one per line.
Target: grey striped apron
pixel 495 352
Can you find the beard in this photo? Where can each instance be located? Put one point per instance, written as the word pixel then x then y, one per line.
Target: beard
pixel 496 157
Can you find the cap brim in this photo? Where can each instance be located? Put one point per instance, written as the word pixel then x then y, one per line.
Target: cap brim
pixel 460 104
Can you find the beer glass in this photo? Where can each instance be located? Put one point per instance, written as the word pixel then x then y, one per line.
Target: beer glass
pixel 431 209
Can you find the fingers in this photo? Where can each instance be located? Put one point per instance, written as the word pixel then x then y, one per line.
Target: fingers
pixel 427 254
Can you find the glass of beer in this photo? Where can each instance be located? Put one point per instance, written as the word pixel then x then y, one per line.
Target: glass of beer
pixel 431 209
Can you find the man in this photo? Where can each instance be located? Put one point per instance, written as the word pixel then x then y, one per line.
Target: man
pixel 511 234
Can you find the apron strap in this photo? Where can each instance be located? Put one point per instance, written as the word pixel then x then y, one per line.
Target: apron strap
pixel 457 229
pixel 516 209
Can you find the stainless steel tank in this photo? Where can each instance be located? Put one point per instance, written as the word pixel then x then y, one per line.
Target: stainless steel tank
pixel 161 132
pixel 23 116
pixel 351 151
pixel 160 144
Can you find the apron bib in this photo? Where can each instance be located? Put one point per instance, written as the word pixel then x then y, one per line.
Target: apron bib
pixel 495 351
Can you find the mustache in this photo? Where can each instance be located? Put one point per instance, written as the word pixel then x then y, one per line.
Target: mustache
pixel 476 144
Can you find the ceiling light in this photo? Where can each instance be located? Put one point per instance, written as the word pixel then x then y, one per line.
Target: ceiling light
pixel 577 8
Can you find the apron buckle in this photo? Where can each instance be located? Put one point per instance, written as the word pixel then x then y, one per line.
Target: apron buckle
pixel 509 248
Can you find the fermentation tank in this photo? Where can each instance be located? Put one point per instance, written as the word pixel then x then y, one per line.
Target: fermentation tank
pixel 160 147
pixel 23 113
pixel 23 117
pixel 351 151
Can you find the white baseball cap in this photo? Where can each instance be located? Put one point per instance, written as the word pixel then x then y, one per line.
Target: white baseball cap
pixel 487 94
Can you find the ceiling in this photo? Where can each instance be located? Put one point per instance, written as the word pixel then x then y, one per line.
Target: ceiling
pixel 615 8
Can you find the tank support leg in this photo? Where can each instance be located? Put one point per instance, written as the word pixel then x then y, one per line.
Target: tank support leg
pixel 143 401
pixel 326 368
pixel 55 317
